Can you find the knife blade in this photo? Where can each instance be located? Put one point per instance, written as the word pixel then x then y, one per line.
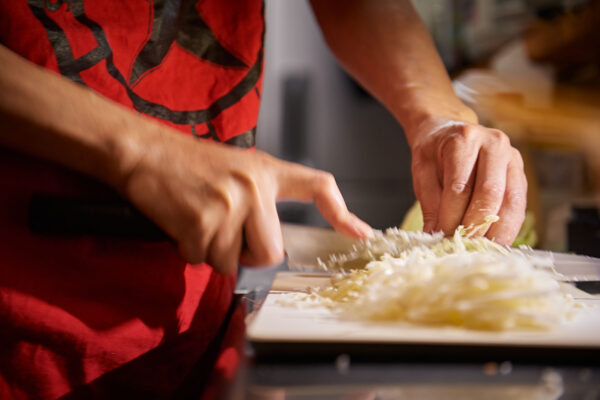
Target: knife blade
pixel 305 245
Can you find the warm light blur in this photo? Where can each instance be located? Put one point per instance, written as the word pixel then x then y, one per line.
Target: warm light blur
pixel 543 89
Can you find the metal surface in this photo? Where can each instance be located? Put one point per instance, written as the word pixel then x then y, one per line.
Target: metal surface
pixel 346 379
pixel 304 245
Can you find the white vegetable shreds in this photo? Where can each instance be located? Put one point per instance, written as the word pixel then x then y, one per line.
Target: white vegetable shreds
pixel 459 281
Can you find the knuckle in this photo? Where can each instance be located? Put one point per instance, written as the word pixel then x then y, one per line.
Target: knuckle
pixel 250 194
pixel 273 252
pixel 515 198
pixel 456 144
pixel 245 178
pixel 429 216
pixel 455 141
pixel 273 257
pixel 466 129
pixel 498 141
pixel 220 194
pixel 492 191
pixel 267 256
pixel 499 136
pixel 225 195
pixel 465 132
pixel 460 188
pixel 325 180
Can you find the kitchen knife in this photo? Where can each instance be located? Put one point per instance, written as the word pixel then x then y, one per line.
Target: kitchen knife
pixel 304 245
pixel 72 216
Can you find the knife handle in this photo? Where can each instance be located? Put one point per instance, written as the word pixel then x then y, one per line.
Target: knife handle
pixel 74 216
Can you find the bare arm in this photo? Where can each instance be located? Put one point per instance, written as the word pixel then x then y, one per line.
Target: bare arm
pixel 386 47
pixel 461 171
pixel 205 195
pixel 50 117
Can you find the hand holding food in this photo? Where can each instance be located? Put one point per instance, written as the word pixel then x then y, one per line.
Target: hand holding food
pixel 463 172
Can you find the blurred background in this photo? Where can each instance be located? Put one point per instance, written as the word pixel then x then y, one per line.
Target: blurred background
pixel 528 67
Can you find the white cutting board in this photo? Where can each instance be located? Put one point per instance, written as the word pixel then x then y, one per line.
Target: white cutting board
pixel 276 322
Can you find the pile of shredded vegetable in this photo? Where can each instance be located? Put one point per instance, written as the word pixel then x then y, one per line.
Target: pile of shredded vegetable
pixel 459 281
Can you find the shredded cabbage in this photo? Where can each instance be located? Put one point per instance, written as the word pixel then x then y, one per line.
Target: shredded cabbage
pixel 464 281
pixel 413 221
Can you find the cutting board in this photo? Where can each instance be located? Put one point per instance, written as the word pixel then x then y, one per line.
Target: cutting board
pixel 280 331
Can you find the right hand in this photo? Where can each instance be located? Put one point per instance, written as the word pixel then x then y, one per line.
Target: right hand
pixel 208 196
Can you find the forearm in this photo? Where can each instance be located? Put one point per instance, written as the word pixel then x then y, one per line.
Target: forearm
pixel 48 116
pixel 387 48
pixel 462 172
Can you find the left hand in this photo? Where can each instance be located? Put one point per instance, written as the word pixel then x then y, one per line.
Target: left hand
pixel 463 172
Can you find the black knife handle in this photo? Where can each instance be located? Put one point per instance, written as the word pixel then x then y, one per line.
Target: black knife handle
pixel 73 216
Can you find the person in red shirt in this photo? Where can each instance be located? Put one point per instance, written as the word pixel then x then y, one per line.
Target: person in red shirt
pixel 151 101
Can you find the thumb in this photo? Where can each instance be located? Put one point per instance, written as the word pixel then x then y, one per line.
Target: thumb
pixel 298 182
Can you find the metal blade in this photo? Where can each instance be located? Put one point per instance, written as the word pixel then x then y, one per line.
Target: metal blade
pixel 304 245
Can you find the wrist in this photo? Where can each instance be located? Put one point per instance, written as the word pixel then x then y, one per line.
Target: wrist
pixel 128 139
pixel 426 122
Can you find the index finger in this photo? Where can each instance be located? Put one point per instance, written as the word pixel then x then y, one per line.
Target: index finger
pixel 302 183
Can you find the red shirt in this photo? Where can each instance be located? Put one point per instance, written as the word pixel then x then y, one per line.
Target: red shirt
pixel 83 310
